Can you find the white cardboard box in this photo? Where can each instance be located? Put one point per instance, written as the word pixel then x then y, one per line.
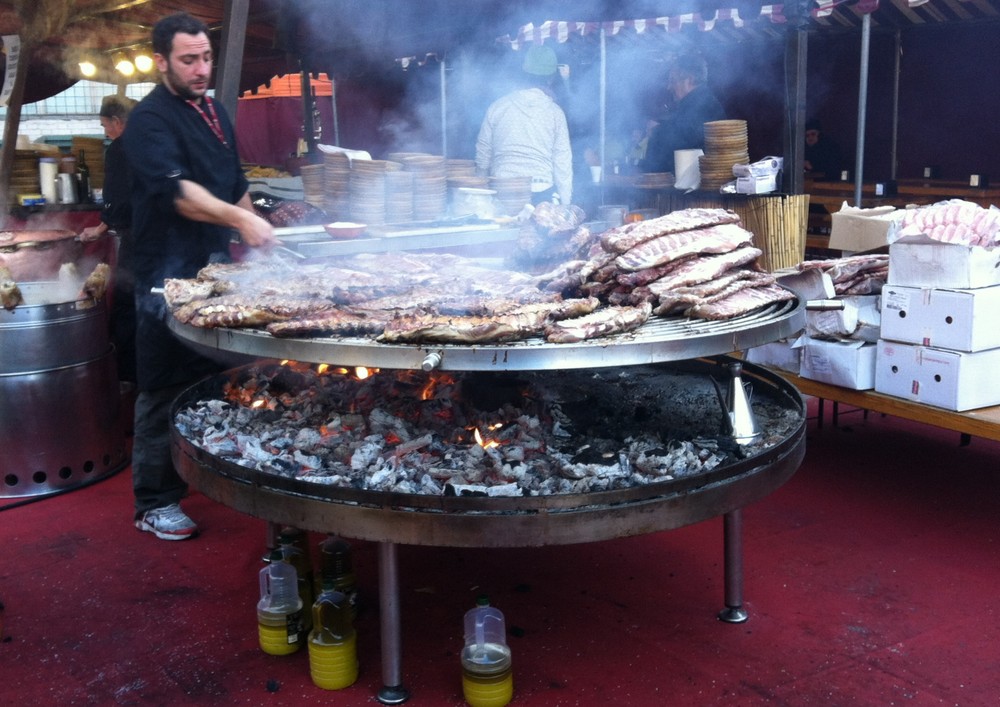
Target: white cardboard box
pixel 918 261
pixel 964 320
pixel 858 230
pixel 784 355
pixel 858 318
pixel 954 380
pixel 850 364
pixel 757 185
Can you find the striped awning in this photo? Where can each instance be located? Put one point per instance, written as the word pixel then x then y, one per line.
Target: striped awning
pixel 561 31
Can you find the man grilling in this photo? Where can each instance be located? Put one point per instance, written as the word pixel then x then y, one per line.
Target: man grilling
pixel 189 194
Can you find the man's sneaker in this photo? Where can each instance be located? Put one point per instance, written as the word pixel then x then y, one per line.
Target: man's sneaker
pixel 167 523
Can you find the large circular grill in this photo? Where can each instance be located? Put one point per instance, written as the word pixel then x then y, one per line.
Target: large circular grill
pixel 659 340
pixel 391 519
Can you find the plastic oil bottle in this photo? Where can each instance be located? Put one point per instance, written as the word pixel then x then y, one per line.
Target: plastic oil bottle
pixel 333 650
pixel 487 679
pixel 336 568
pixel 279 611
pixel 295 551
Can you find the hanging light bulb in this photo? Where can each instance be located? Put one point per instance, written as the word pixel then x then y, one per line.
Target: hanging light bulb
pixel 87 68
pixel 143 62
pixel 123 65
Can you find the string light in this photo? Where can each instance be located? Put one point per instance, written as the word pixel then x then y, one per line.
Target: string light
pixel 123 65
pixel 143 62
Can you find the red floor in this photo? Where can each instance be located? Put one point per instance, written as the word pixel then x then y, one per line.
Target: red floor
pixel 870 580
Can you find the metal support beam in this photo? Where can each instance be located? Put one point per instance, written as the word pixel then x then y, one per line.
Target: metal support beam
pixel 234 33
pixel 796 56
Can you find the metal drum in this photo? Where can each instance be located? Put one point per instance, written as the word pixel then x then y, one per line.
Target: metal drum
pixel 61 420
pixel 52 328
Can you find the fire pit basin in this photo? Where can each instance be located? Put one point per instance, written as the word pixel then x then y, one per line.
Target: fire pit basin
pixel 507 521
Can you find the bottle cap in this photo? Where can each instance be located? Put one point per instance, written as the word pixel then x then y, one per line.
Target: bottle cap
pixel 482 600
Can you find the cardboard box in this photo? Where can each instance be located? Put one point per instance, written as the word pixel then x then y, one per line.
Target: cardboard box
pixel 850 364
pixel 954 380
pixel 963 320
pixel 858 318
pixel 918 261
pixel 858 230
pixel 757 185
pixel 784 355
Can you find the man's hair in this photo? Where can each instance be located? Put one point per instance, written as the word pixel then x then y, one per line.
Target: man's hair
pixel 691 66
pixel 166 28
pixel 115 106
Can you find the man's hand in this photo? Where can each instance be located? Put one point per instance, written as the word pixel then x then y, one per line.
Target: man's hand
pixel 255 231
pixel 92 233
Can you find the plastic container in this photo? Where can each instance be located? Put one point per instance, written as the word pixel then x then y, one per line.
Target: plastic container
pixel 294 546
pixel 487 678
pixel 337 569
pixel 279 611
pixel 48 168
pixel 333 649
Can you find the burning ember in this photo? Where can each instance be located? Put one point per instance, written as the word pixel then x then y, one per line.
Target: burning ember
pixel 507 434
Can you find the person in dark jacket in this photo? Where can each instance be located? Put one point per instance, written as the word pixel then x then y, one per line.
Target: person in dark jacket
pixel 683 127
pixel 822 154
pixel 116 220
pixel 190 198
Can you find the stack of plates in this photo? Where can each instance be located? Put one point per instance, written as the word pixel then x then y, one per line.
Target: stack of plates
pixel 312 184
pixel 725 145
pixel 367 191
pixel 430 186
pixel 24 173
pixel 460 168
pixel 337 185
pixel 512 193
pixel 398 196
pixel 655 180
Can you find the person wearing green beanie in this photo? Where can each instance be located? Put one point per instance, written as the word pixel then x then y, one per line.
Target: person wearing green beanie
pixel 525 134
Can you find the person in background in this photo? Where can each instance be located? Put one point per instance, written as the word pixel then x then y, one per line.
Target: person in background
pixel 116 219
pixel 524 133
pixel 822 154
pixel 639 142
pixel 190 195
pixel 683 127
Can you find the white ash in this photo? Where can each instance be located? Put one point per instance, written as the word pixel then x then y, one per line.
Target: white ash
pixel 410 432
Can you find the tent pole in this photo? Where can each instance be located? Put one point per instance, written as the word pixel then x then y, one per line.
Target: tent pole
pixel 894 151
pixel 234 32
pixel 602 130
pixel 859 159
pixel 444 110
pixel 336 122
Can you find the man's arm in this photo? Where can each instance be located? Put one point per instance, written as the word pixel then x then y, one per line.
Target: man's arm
pixel 197 203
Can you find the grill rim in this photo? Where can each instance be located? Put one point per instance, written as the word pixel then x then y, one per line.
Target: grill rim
pixel 660 340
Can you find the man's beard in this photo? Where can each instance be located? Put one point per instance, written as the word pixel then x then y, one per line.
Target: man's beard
pixel 180 89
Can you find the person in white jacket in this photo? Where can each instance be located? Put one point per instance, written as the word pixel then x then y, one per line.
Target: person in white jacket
pixel 524 133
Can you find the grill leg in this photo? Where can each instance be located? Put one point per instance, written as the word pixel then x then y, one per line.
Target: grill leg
pixel 392 692
pixel 732 524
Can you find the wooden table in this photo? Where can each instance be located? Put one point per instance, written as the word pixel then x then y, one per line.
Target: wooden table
pixel 983 422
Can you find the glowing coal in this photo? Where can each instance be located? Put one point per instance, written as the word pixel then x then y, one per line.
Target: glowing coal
pixel 481 433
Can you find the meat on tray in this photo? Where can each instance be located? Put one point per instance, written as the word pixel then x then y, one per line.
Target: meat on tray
pixel 628 236
pixel 663 249
pixel 609 320
pixel 741 302
pixel 10 293
pixel 693 271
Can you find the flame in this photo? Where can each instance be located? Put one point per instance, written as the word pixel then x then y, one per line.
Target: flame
pixel 322 368
pixel 257 404
pixel 361 372
pixel 488 444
